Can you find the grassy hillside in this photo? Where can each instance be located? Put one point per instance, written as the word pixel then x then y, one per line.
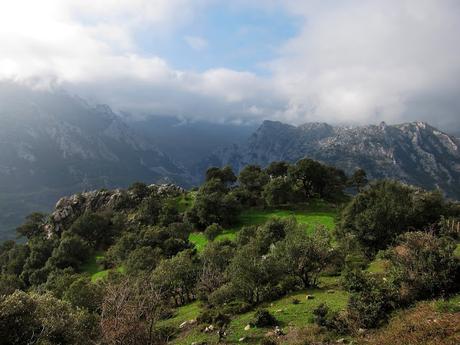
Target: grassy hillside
pixel 316 213
pixel 292 311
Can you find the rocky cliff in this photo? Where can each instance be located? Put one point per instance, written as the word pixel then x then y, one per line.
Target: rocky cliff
pixel 416 152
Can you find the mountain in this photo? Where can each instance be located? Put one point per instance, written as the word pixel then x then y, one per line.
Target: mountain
pixel 416 153
pixel 53 144
pixel 189 142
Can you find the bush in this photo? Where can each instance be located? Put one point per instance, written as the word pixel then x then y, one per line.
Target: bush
pixel 263 318
pixel 332 321
pixel 162 334
pixel 212 231
pixel 269 341
pixel 424 266
pixel 225 294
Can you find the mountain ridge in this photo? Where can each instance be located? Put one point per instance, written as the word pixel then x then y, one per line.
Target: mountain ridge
pixel 413 152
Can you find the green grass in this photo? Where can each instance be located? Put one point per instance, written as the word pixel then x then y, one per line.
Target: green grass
pixel 184 313
pixel 377 266
pixel 317 213
pixel 457 250
pixel 91 266
pixel 97 271
pixel 287 313
pixel 199 240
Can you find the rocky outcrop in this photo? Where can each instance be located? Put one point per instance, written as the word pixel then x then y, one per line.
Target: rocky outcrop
pixel 415 153
pixel 68 209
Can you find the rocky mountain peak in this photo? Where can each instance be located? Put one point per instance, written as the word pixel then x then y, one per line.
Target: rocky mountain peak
pixel 414 152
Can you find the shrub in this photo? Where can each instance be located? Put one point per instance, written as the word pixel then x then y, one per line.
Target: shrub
pixel 162 334
pixel 331 320
pixel 424 265
pixel 269 341
pixel 263 318
pixel 419 326
pixel 212 231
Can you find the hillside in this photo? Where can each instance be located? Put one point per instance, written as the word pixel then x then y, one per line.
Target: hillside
pixel 271 256
pixel 55 144
pixel 415 153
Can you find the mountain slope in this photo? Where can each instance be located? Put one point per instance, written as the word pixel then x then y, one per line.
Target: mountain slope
pixel 53 144
pixel 415 153
pixel 189 141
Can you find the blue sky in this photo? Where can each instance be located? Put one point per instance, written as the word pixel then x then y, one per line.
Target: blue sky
pixel 235 38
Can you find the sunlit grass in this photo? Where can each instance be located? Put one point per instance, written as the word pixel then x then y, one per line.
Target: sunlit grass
pixel 317 213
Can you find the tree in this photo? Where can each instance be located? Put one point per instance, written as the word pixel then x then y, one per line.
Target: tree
pixel 177 277
pixel 277 169
pixel 306 256
pixel 83 293
pixel 215 204
pixel 278 191
pixel 33 225
pixel 215 258
pixel 309 175
pixel 139 189
pixel 273 231
pixel 130 311
pixel 253 275
pixel 377 215
pixel 225 175
pixel 253 179
pixel 143 259
pixel 9 283
pixel 96 229
pixel 72 251
pixel 43 319
pixel 359 180
pixel 212 231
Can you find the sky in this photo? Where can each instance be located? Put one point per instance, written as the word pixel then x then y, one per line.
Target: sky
pixel 337 61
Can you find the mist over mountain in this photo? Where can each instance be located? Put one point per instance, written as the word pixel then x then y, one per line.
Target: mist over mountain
pixel 55 144
pixel 415 152
pixel 187 141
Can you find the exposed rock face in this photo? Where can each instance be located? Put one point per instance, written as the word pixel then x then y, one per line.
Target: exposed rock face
pixel 68 209
pixel 414 153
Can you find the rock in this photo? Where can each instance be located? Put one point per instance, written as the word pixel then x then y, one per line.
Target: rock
pixel 361 331
pixel 309 297
pixel 279 311
pixel 192 322
pixel 242 339
pixel 247 328
pixel 330 291
pixel 278 331
pixel 340 341
pixel 183 324
pixel 209 329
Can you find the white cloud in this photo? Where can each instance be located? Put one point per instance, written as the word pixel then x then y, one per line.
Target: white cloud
pixel 196 42
pixel 352 61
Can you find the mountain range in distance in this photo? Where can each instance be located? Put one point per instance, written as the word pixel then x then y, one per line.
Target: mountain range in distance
pixel 54 144
pixel 415 153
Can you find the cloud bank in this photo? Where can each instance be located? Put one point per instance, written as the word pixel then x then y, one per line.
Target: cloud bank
pixel 350 62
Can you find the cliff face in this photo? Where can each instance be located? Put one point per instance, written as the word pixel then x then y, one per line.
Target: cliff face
pixel 415 153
